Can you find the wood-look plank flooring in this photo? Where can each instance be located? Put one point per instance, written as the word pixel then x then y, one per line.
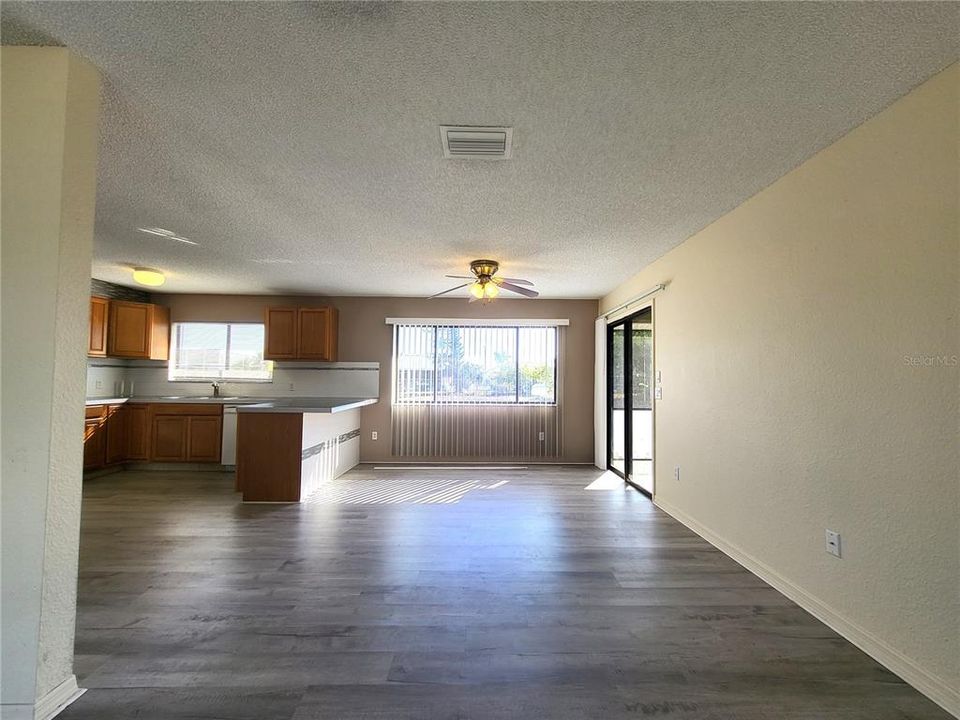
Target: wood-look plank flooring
pixel 534 598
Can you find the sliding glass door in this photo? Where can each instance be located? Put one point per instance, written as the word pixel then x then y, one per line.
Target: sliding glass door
pixel 630 399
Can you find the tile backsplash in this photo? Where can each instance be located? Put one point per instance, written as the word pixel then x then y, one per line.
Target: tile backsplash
pixel 108 377
pixel 103 288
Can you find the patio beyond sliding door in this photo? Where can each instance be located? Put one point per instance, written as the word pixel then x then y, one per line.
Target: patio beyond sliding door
pixel 630 399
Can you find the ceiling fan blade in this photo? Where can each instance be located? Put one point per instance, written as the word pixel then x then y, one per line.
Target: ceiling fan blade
pixel 517 289
pixel 517 281
pixel 449 291
pixel 461 277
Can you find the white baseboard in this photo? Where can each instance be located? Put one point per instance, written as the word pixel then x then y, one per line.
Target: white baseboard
pixel 933 686
pixel 51 704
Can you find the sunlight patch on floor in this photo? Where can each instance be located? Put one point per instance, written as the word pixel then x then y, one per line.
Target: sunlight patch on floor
pixel 394 491
pixel 608 481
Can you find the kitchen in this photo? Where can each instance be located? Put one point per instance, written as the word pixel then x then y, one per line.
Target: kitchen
pixel 156 395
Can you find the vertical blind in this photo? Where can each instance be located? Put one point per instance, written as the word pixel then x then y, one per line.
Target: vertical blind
pixel 475 391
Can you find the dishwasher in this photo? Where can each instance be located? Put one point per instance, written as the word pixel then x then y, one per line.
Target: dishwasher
pixel 228 447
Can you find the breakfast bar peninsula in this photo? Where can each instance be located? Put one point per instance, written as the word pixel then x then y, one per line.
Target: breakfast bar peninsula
pixel 287 448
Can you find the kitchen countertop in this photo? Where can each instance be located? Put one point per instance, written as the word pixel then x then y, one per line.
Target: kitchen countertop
pixel 307 405
pixel 255 404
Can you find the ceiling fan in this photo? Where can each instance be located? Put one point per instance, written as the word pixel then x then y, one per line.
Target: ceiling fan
pixel 483 284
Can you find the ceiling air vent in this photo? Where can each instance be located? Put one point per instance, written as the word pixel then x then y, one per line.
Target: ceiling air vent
pixel 476 143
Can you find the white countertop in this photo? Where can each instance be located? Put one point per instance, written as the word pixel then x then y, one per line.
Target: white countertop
pixel 307 405
pixel 254 404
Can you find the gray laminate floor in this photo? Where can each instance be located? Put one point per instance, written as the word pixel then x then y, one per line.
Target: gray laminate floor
pixel 440 594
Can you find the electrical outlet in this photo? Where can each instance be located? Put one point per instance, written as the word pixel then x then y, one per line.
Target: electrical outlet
pixel 373 435
pixel 676 473
pixel 291 387
pixel 98 384
pixel 657 393
pixel 833 542
pixel 543 436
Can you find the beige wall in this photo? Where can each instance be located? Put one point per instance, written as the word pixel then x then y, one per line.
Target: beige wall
pixel 49 144
pixel 364 336
pixel 808 345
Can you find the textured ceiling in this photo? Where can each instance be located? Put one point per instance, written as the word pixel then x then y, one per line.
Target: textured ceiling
pixel 297 143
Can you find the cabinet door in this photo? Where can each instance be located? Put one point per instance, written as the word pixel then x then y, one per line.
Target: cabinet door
pixel 204 439
pixel 159 340
pixel 317 334
pixel 94 443
pixel 128 333
pixel 138 432
pixel 116 429
pixel 280 341
pixel 98 327
pixel 169 442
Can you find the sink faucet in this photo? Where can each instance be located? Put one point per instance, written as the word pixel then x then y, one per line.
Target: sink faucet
pixel 216 389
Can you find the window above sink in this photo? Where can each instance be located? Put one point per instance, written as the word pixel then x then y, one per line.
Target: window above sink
pixel 218 352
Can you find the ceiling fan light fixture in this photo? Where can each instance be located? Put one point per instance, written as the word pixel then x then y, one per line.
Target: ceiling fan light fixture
pixel 484 285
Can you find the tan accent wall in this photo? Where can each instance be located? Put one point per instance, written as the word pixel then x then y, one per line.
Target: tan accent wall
pixel 808 343
pixel 364 336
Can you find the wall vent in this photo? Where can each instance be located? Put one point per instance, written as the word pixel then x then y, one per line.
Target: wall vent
pixel 476 143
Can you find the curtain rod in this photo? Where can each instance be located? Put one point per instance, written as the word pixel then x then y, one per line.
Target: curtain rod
pixel 632 301
pixel 486 322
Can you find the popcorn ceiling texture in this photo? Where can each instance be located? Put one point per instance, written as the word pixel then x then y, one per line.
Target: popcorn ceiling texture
pixel 298 143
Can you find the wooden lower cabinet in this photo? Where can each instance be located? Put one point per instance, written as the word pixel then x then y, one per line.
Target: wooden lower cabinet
pixel 94 443
pixel 138 432
pixel 203 438
pixel 186 433
pixel 116 431
pixel 169 439
pixel 141 432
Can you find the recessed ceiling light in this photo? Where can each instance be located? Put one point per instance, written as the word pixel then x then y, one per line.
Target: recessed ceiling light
pixel 148 276
pixel 169 234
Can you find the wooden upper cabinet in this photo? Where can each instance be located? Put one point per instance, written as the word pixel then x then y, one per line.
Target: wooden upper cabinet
pixel 138 330
pixel 301 333
pixel 318 334
pixel 99 308
pixel 280 334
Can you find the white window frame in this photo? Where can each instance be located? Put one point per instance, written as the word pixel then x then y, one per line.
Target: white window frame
pixel 171 363
pixel 459 324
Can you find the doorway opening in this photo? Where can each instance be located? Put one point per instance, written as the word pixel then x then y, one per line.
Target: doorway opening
pixel 630 399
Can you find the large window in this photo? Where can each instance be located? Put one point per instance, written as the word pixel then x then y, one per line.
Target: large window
pixel 218 351
pixel 454 364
